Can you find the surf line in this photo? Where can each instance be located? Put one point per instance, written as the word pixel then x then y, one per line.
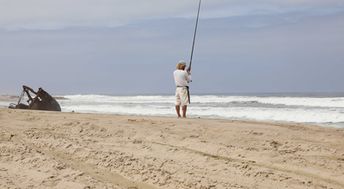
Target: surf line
pixel 193 44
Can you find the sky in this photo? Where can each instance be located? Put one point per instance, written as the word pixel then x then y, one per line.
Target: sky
pixel 132 46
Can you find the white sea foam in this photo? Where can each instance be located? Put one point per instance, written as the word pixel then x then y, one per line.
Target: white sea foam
pixel 4 103
pixel 288 101
pixel 290 109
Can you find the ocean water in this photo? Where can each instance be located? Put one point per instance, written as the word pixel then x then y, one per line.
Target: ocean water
pixel 319 110
pixel 326 110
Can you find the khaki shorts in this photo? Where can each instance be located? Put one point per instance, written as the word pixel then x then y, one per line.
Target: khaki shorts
pixel 182 98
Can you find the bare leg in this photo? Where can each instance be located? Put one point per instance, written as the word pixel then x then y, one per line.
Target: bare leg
pixel 178 110
pixel 184 108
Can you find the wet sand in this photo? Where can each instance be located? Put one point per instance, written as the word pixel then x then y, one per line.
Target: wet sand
pixel 70 150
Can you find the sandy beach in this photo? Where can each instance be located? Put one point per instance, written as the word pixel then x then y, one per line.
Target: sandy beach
pixel 70 150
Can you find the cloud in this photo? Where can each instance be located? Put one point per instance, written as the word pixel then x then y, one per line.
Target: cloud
pixel 306 56
pixel 51 14
pixel 59 14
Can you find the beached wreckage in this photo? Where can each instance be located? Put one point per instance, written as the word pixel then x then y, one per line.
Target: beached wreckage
pixel 42 101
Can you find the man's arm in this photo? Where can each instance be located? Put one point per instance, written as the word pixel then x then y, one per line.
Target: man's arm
pixel 188 77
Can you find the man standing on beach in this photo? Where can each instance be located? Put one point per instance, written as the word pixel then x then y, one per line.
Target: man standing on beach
pixel 182 78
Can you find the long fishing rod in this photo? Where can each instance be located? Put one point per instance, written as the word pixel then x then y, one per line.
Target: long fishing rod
pixel 195 33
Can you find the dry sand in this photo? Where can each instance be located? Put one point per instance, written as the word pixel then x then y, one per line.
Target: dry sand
pixel 69 150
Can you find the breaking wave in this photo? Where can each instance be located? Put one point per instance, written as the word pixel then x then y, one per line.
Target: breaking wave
pixel 321 110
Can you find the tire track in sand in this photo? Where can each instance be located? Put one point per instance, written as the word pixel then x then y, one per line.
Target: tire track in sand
pixel 91 170
pixel 280 168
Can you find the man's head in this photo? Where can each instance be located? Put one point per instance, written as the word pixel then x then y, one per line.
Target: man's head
pixel 181 65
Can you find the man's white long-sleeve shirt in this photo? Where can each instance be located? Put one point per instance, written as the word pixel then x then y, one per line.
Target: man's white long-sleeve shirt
pixel 181 78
